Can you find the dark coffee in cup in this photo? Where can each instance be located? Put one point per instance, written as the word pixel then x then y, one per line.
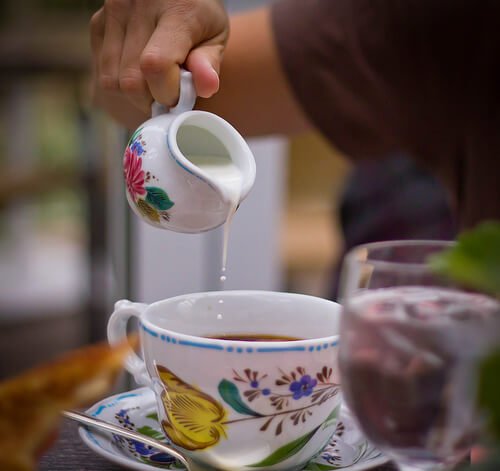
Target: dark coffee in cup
pixel 254 337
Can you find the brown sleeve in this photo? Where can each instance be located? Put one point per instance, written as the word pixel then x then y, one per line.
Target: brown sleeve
pixel 377 76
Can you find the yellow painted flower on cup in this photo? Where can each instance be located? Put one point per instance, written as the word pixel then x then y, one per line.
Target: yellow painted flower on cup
pixel 195 420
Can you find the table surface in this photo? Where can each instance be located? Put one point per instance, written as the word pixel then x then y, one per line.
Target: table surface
pixel 70 453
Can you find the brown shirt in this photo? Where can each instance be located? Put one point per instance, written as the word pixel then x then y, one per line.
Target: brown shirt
pixel 418 76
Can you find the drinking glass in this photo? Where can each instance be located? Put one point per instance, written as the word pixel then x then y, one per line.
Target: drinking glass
pixel 410 344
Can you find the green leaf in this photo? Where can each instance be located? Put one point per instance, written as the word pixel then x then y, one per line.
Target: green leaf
pixel 475 260
pixel 153 465
pixel 489 391
pixel 332 418
pixel 153 416
pixel 133 136
pixel 157 198
pixel 286 451
pixel 177 465
pixel 151 432
pixel 229 392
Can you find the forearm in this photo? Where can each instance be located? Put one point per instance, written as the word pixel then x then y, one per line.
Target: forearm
pixel 254 94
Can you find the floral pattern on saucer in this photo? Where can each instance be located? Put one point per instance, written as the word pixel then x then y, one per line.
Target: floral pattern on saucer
pixel 136 410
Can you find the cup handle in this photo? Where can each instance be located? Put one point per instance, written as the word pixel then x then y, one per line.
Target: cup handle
pixel 117 333
pixel 187 97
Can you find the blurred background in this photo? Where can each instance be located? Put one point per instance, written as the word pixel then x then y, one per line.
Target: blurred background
pixel 70 247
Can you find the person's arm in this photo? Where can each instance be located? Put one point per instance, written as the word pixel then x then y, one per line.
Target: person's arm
pixel 253 94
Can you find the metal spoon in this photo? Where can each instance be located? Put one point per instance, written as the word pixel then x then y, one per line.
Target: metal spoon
pixel 101 424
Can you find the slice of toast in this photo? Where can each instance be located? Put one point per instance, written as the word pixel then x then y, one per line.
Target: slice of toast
pixel 31 403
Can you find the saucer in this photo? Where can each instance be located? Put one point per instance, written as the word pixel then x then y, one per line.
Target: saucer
pixel 136 410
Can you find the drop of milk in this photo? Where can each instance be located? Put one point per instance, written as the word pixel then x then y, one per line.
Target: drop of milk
pixel 229 179
pixel 219 316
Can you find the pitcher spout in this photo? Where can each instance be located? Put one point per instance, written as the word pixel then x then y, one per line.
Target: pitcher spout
pixel 209 147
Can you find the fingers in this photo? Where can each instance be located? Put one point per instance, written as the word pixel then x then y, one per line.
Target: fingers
pixel 166 50
pixel 204 64
pixel 160 66
pixel 97 32
pixel 138 51
pixel 117 39
pixel 126 32
pixel 131 78
pixel 115 23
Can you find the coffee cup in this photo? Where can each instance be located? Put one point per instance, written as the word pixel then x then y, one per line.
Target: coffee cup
pixel 243 379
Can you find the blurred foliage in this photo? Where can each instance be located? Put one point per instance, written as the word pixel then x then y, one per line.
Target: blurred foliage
pixel 56 115
pixel 475 260
pixel 61 208
pixel 55 137
pixel 475 263
pixel 58 144
pixel 489 392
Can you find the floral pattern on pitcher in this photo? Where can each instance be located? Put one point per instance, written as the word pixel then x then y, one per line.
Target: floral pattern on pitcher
pixel 197 421
pixel 151 201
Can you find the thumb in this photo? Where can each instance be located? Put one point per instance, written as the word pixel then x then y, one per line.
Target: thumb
pixel 204 63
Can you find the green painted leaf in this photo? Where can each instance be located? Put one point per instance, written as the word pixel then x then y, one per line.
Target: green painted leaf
pixel 133 136
pixel 286 451
pixel 153 416
pixel 475 260
pixel 177 465
pixel 151 432
pixel 229 392
pixel 332 418
pixel 152 464
pixel 157 198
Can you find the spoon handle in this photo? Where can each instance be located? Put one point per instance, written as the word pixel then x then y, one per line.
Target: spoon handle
pixel 101 424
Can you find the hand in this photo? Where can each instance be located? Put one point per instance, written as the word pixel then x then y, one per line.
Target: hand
pixel 138 47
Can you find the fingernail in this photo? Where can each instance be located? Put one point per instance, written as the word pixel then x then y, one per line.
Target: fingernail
pixel 218 79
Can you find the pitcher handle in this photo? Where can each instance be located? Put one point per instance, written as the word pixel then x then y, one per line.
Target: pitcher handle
pixel 187 97
pixel 117 333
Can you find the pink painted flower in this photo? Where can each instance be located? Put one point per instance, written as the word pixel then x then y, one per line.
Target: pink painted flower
pixel 134 175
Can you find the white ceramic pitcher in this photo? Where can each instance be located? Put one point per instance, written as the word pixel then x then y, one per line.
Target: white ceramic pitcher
pixel 163 186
